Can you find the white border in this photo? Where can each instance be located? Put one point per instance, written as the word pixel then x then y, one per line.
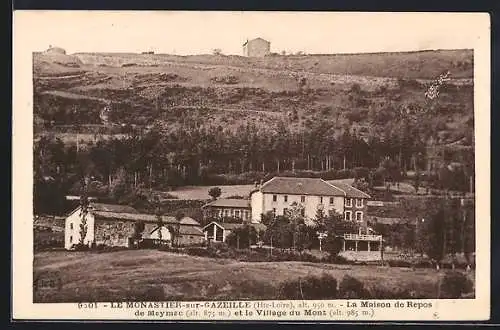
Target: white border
pixel 22 234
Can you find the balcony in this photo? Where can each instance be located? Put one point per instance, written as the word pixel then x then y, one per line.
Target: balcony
pixel 358 237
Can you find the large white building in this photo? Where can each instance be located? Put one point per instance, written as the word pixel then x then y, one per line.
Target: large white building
pixel 280 193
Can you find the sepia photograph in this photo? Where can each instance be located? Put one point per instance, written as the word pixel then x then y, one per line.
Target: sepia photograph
pixel 253 156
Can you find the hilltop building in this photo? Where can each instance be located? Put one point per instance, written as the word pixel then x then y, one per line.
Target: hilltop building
pixel 257 47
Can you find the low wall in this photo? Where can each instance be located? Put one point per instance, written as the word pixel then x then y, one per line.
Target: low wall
pixel 361 255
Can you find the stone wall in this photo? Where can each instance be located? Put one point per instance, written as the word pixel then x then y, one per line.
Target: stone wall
pixel 185 240
pixel 113 233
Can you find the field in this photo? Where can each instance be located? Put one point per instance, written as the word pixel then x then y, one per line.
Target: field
pixel 158 275
pixel 201 192
pixel 227 91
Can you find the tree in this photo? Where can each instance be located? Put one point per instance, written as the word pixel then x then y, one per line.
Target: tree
pixel 175 229
pixel 84 205
pixel 435 232
pixel 159 217
pixel 217 51
pixel 296 216
pixel 215 192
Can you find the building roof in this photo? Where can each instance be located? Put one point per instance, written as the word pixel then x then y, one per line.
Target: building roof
pixel 235 203
pixel 132 217
pixel 301 186
pixel 113 208
pixel 259 38
pixel 232 226
pixel 191 230
pixel 189 222
pixel 350 191
pixel 185 230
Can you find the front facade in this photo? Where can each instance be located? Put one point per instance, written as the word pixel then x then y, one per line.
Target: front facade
pixel 228 208
pixel 256 48
pixel 280 194
pixel 219 231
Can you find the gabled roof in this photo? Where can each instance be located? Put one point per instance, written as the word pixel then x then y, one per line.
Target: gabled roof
pixel 191 230
pixel 189 222
pixel 185 230
pixel 132 217
pixel 350 191
pixel 232 226
pixel 301 186
pixel 235 203
pixel 258 38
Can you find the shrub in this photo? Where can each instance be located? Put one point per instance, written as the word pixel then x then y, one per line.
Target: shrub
pixel 336 259
pixel 310 287
pixel 454 284
pixel 352 288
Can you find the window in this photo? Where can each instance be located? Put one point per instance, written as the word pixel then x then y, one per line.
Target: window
pixel 359 202
pixel 274 211
pixel 302 199
pixel 237 213
pixel 321 199
pixel 331 200
pixel 226 213
pixel 275 198
pixel 246 215
pixel 331 212
pixel 71 226
pixel 286 198
pixel 348 215
pixel 285 211
pixel 71 239
pixel 359 216
pixel 302 212
pixel 348 202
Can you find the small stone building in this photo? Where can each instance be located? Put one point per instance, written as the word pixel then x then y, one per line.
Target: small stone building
pixel 257 47
pixel 116 225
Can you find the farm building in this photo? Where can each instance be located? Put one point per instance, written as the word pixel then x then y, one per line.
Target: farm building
pixel 117 225
pixel 219 231
pixel 257 47
pixel 224 208
pixel 55 50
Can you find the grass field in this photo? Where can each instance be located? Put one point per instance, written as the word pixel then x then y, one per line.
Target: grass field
pixel 157 275
pixel 201 192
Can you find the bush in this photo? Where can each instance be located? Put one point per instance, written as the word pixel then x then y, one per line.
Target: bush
pixel 336 259
pixel 454 284
pixel 352 288
pixel 310 287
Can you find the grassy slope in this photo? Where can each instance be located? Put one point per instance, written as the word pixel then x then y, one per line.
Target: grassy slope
pixel 151 274
pixel 172 89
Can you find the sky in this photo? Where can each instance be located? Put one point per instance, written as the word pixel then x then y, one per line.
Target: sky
pixel 186 33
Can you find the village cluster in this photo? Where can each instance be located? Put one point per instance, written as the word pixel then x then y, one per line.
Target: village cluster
pixel 115 225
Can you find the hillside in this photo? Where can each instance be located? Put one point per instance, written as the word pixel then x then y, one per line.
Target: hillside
pixel 354 90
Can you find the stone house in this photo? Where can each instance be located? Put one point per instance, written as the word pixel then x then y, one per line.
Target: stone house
pixel 115 225
pixel 257 47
